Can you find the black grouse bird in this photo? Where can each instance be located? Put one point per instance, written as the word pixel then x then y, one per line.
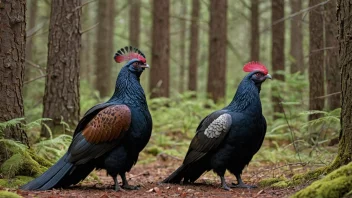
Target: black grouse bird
pixel 227 139
pixel 110 135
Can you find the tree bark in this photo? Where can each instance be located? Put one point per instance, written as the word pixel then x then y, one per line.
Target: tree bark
pixel 29 41
pixel 216 85
pixel 159 72
pixel 61 98
pixel 344 14
pixel 296 38
pixel 331 56
pixel 12 56
pixel 194 46
pixel 134 24
pixel 336 183
pixel 182 46
pixel 278 53
pixel 104 51
pixel 316 59
pixel 255 37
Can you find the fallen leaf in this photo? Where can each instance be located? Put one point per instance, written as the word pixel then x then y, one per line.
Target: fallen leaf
pixel 183 194
pixel 260 192
pixel 150 190
pixel 157 190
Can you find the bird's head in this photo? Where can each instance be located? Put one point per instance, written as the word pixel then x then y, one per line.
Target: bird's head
pixel 136 59
pixel 258 72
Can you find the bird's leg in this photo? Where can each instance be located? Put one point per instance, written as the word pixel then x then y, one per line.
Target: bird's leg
pixel 240 183
pixel 223 183
pixel 125 184
pixel 116 184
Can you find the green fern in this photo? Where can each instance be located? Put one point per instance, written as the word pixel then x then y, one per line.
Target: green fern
pixel 10 123
pixel 53 149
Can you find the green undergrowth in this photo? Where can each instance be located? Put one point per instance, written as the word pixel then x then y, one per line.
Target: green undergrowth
pixel 296 180
pixel 22 164
pixel 7 194
pixel 174 123
pixel 336 184
pixel 15 182
pixel 270 181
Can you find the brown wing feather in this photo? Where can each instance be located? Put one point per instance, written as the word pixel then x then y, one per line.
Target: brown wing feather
pixel 108 124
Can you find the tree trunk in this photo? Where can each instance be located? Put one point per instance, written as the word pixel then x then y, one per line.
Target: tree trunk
pixel 337 183
pixel 61 98
pixel 316 59
pixel 254 41
pixel 104 51
pixel 86 58
pixel 193 49
pixel 278 53
pixel 296 38
pixel 29 42
pixel 331 56
pixel 159 72
pixel 134 24
pixel 217 50
pixel 344 14
pixel 182 46
pixel 12 56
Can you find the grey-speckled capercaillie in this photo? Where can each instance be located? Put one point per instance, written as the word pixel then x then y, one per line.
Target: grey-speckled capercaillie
pixel 228 138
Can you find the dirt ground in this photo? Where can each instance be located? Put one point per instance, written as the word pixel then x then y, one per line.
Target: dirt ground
pixel 148 176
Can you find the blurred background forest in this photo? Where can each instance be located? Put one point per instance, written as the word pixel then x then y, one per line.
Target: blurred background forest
pixel 196 50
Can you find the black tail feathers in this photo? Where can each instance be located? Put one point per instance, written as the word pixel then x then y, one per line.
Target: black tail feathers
pixel 176 176
pixel 52 177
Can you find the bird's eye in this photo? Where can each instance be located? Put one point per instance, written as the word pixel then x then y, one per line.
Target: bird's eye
pixel 259 74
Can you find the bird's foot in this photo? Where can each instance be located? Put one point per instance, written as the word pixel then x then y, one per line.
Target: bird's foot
pixel 225 187
pixel 242 185
pixel 116 188
pixel 130 187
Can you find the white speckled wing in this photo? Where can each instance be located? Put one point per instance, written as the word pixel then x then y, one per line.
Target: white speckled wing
pixel 218 126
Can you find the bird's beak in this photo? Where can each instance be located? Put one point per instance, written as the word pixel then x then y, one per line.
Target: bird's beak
pixel 268 76
pixel 145 66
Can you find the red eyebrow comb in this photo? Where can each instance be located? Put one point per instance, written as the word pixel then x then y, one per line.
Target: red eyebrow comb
pixel 128 53
pixel 255 66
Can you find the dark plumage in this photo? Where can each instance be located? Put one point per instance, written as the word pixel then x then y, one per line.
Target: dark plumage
pixel 109 136
pixel 227 139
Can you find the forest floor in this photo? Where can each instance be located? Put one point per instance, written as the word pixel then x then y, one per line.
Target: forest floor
pixel 149 175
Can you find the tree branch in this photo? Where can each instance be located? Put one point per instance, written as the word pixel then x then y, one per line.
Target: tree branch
pixel 294 14
pixel 36 78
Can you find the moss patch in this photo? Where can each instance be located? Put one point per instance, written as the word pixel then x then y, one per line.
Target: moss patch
pixel 270 181
pixel 336 184
pixel 21 164
pixel 42 161
pixel 154 150
pixel 93 177
pixel 309 176
pixel 15 182
pixel 6 194
pixel 281 184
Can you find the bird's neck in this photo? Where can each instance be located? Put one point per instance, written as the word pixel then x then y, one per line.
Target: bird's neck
pixel 128 89
pixel 246 98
